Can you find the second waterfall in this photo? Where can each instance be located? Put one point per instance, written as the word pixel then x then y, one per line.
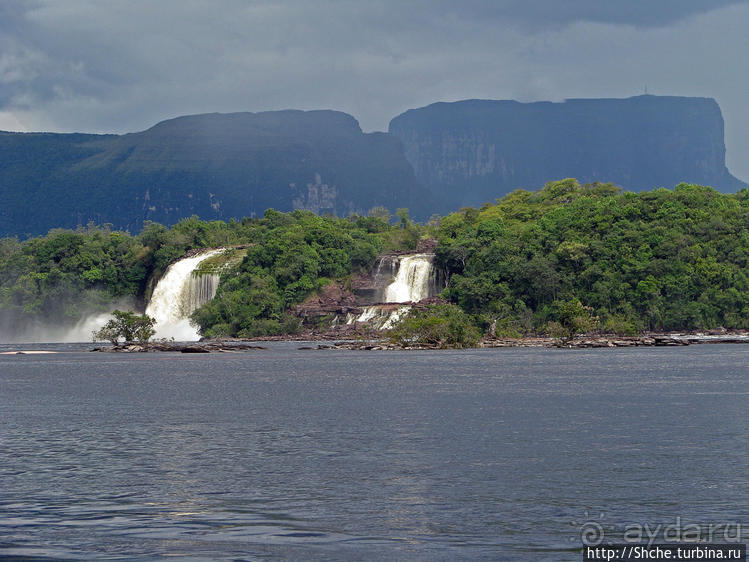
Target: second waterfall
pixel 399 279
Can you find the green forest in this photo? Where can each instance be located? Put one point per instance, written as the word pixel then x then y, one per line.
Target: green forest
pixel 666 259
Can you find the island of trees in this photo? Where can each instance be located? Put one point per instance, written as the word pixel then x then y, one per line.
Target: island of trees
pixel 564 259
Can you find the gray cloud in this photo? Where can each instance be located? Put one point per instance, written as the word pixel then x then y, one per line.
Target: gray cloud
pixel 545 13
pixel 122 66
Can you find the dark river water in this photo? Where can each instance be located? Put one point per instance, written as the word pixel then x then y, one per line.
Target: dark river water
pixel 484 454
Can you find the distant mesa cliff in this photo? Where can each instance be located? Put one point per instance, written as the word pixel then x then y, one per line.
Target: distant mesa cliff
pixel 473 151
pixel 435 159
pixel 217 166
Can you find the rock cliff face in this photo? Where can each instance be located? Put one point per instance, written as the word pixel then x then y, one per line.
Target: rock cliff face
pixel 222 166
pixel 217 166
pixel 474 151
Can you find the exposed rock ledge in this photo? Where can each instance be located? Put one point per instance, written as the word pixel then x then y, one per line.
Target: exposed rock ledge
pixel 578 343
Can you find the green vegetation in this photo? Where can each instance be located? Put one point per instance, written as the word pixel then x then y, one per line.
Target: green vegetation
pixel 657 260
pixel 573 318
pixel 293 254
pixel 60 277
pixel 126 325
pixel 221 263
pixel 441 325
pixel 564 260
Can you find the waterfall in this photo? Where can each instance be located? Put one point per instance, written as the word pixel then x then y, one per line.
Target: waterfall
pixel 179 293
pixel 413 281
pixel 384 275
pixel 399 280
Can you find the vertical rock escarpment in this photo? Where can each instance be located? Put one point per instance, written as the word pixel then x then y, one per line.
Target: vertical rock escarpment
pixel 473 151
pixel 435 159
pixel 216 166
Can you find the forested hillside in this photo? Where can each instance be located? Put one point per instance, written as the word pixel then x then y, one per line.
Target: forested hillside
pixel 659 260
pixel 655 260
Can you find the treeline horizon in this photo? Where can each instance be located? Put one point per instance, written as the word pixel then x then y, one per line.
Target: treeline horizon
pixel 665 259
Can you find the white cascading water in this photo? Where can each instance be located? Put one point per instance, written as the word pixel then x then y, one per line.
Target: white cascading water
pixel 394 316
pixel 179 293
pixel 368 314
pixel 411 284
pixel 412 280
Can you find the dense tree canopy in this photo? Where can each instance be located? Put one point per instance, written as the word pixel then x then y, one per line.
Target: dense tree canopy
pixel 661 259
pixel 293 254
pixel 442 326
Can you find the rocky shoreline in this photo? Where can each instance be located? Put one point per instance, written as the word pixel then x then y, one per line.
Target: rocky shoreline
pixel 207 346
pixel 651 340
pixel 373 343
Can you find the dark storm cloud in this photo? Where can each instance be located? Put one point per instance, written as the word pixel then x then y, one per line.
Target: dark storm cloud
pixel 122 66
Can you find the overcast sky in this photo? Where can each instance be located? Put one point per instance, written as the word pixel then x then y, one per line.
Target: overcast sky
pixel 120 66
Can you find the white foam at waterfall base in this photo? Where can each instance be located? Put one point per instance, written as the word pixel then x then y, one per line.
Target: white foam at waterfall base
pixel 379 317
pixel 411 283
pixel 177 294
pixel 84 329
pixel 81 331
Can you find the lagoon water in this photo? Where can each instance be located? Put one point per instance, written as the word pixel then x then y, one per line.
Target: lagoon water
pixel 282 453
